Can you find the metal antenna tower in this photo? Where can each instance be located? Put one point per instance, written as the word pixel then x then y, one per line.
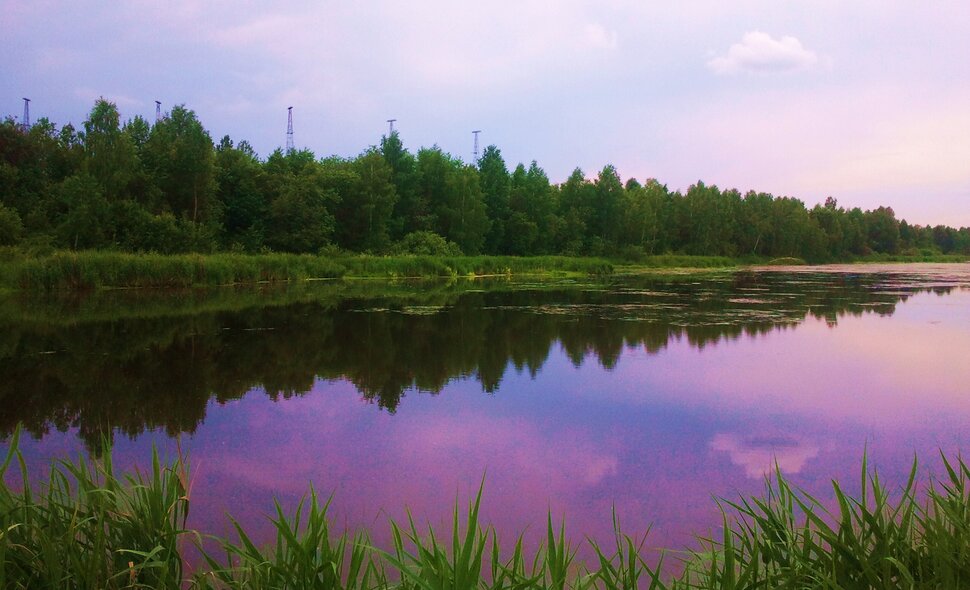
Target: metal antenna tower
pixel 26 120
pixel 289 130
pixel 158 111
pixel 475 151
pixel 390 126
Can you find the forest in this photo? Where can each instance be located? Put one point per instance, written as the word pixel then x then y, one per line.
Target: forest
pixel 168 188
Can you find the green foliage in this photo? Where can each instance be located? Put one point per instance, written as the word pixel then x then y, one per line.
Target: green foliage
pixel 92 270
pixel 496 192
pixel 364 214
pixel 426 243
pixel 299 220
pixel 106 186
pixel 642 261
pixel 181 158
pixel 89 527
pixel 240 179
pixel 109 154
pixel 104 269
pixel 453 194
pixel 11 228
pixel 304 556
pixel 82 225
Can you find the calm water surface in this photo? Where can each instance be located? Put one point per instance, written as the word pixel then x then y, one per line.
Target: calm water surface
pixel 652 395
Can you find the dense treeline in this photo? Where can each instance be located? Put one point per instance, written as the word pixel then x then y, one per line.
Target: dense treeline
pixel 168 188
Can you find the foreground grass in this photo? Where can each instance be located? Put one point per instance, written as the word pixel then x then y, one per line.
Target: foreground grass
pixel 94 269
pixel 89 527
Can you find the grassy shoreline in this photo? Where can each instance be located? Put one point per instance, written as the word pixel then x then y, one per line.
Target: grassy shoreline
pixel 91 527
pixel 100 270
pixel 89 270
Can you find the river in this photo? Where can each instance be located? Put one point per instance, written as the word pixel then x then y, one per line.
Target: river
pixel 652 395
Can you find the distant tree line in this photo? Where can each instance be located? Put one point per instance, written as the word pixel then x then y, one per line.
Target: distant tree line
pixel 168 188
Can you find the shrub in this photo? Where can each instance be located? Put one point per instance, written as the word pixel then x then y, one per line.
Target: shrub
pixel 427 243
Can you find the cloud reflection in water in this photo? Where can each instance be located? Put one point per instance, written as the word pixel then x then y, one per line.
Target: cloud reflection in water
pixel 758 455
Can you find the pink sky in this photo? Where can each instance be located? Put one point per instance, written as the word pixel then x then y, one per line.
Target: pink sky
pixel 863 101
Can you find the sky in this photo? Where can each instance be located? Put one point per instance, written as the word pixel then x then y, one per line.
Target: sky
pixel 866 101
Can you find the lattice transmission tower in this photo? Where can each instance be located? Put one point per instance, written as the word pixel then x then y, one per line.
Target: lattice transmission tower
pixel 289 130
pixel 158 111
pixel 390 126
pixel 475 149
pixel 26 120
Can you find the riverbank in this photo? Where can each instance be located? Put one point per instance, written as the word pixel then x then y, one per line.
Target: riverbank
pixel 102 270
pixel 92 527
pixel 91 270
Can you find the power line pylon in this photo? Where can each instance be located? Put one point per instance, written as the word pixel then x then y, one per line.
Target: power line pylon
pixel 26 120
pixel 158 111
pixel 390 126
pixel 475 150
pixel 289 130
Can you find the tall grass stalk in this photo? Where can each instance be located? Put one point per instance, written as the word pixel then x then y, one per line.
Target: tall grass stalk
pixel 305 555
pixel 88 527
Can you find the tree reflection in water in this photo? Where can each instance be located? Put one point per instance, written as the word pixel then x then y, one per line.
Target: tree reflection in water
pixel 127 362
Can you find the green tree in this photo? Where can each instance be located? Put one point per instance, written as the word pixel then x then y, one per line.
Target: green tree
pixel 496 189
pixel 239 189
pixel 577 198
pixel 364 214
pixel 411 210
pixel 608 210
pixel 11 228
pixel 138 131
pixel 711 219
pixel 463 216
pixel 299 219
pixel 109 154
pixel 302 199
pixel 641 223
pixel 181 157
pixel 533 224
pixel 83 224
pixel 882 230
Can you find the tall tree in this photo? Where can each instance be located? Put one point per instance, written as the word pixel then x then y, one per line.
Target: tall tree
pixel 882 230
pixel 609 208
pixel 109 154
pixel 181 156
pixel 411 211
pixel 463 217
pixel 239 189
pixel 364 214
pixel 83 224
pixel 496 188
pixel 577 198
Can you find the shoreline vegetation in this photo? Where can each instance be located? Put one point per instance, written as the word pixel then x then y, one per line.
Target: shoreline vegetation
pixel 89 526
pixel 92 270
pixel 167 188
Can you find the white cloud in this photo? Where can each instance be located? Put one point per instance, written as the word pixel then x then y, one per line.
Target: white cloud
pixel 597 36
pixel 760 53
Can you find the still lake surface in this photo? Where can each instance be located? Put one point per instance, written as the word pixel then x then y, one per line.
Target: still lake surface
pixel 650 394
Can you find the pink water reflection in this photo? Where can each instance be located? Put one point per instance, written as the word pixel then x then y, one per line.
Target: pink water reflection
pixel 657 436
pixel 657 444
